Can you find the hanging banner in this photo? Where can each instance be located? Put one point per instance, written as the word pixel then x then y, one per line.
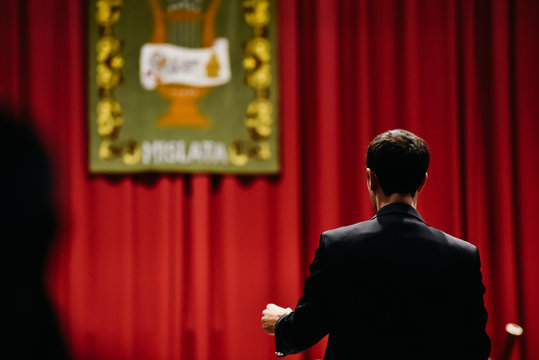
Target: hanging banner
pixel 183 86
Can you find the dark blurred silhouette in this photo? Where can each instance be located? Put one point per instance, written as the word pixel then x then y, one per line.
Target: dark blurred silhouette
pixel 29 326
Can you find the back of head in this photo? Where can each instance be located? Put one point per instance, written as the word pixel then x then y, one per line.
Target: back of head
pixel 400 160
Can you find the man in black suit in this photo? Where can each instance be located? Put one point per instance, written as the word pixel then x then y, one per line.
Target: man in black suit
pixel 391 287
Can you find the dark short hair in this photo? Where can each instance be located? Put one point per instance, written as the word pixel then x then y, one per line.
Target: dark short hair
pixel 399 159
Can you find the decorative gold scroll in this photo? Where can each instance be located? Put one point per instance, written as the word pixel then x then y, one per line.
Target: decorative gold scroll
pixel 109 76
pixel 259 113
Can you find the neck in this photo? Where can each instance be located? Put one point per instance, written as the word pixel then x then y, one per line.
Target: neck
pixel 382 200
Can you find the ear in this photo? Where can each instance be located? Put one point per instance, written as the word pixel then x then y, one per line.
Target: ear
pixel 423 182
pixel 372 181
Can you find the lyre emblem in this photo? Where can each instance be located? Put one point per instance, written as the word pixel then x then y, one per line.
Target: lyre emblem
pixel 184 60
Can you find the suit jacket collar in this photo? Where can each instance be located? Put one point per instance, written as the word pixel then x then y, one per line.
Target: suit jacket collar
pixel 399 208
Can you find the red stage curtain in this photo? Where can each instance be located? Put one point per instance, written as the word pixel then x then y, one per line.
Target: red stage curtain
pixel 180 266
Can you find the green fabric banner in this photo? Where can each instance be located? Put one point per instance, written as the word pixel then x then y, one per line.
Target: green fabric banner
pixel 183 86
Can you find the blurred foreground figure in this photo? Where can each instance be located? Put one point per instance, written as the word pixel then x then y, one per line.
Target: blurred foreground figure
pixel 27 222
pixel 391 287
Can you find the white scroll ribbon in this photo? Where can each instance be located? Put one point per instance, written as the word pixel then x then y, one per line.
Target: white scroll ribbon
pixel 171 64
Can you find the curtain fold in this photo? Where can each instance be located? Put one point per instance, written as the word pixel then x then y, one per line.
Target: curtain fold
pixel 179 266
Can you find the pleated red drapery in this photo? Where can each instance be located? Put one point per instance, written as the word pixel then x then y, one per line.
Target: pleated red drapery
pixel 179 266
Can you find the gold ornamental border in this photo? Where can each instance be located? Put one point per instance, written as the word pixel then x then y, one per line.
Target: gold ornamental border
pixel 110 63
pixel 256 62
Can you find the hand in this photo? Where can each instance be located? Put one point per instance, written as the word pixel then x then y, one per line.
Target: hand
pixel 270 315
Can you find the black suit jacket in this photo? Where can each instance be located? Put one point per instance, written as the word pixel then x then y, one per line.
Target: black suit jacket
pixel 390 288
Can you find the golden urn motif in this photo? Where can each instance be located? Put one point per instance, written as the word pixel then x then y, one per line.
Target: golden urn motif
pixel 183 43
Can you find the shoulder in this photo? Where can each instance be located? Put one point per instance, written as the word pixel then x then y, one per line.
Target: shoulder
pixel 360 229
pixel 454 242
pixel 458 248
pixel 350 239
